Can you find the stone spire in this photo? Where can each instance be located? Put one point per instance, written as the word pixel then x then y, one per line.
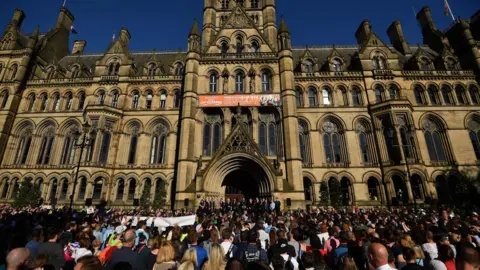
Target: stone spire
pixel 283 26
pixel 195 30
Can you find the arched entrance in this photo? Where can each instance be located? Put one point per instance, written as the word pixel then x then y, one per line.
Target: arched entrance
pixel 374 189
pixel 239 175
pixel 418 191
pixel 345 187
pixel 307 189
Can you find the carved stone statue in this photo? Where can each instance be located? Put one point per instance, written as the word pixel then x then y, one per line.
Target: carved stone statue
pixel 225 84
pixel 252 84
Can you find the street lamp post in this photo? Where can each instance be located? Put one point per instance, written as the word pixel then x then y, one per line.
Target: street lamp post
pixel 391 133
pixel 85 143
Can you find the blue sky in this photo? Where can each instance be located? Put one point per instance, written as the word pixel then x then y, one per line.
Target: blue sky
pixel 163 24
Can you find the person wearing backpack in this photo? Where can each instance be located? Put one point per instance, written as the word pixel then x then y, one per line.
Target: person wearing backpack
pixel 252 252
pixel 341 251
pixel 227 244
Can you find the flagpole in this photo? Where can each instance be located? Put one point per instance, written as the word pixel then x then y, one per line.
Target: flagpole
pixel 450 10
pixel 64 3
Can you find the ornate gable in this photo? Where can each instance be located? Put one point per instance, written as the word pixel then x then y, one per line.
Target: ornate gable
pixel 372 41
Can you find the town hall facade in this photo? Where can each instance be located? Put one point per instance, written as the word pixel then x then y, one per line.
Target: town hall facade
pixel 240 113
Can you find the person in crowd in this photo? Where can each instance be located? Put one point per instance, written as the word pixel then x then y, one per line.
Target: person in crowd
pixel 142 226
pixel 40 262
pixel 165 257
pixel 83 250
pixel 445 255
pixel 155 247
pixel 216 258
pixel 187 265
pixel 378 257
pixel 430 247
pixel 234 264
pixel 227 243
pixel 468 259
pixel 411 259
pixel 53 249
pixel 281 245
pixel 253 253
pixel 125 253
pixel 214 239
pixel 88 263
pixel 18 259
pixel 34 243
pixel 191 256
pixel 201 253
pixel 142 249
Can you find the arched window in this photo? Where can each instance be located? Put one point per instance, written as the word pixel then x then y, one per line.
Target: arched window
pixel 460 93
pixel 97 189
pixel 447 95
pixel 337 65
pixel 224 47
pixel 159 143
pixel 327 97
pixel 152 70
pixel 400 189
pixel 46 147
pixel 163 98
pixel 15 188
pixel 177 98
pixel 451 64
pixel 474 133
pixel 266 81
pixel 131 189
pixel 133 149
pixel 332 141
pixel 39 184
pixel 68 101
pixel 212 134
pixel 213 82
pixel 56 101
pixel 308 66
pixel 424 64
pixel 393 91
pixel 91 146
pixel 5 188
pixel 344 92
pixel 13 72
pixel 135 99
pixel 43 105
pixel 407 140
pixel 68 153
pixel 53 189
pixel 378 93
pixel 23 146
pixel 120 189
pixel 149 99
pixel 179 69
pixel 75 72
pixel 364 147
pixel 419 95
pixel 105 147
pixel 433 139
pixel 473 91
pixel 1 68
pixel 113 68
pixel 379 62
pixel 299 96
pixel 240 81
pixel 4 98
pixel 239 44
pixel 81 100
pixel 31 102
pixel 345 191
pixel 101 97
pixel 312 97
pixel 115 97
pixel 304 139
pixel 82 188
pixel 433 95
pixel 64 189
pixel 417 187
pixel 268 134
pixel 373 189
pixel 356 96
pixel 50 73
pixel 147 186
pixel 255 47
pixel 307 189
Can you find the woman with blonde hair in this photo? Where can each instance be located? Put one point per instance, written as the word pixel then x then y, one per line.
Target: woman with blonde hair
pixel 419 255
pixel 214 239
pixel 216 258
pixel 188 265
pixel 165 257
pixel 190 256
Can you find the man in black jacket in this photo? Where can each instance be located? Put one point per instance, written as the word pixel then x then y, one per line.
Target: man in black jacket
pixel 53 249
pixel 280 246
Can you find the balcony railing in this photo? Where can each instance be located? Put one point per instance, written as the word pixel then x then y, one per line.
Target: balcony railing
pixel 156 78
pixel 109 78
pixel 331 74
pixel 248 55
pixel 416 73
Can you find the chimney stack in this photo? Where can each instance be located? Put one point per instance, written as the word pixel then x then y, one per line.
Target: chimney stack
pixel 395 33
pixel 18 17
pixel 363 31
pixel 79 46
pixel 425 19
pixel 65 19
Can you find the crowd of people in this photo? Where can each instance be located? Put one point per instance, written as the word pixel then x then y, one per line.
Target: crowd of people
pixel 241 235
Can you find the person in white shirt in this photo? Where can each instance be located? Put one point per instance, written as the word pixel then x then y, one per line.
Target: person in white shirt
pixel 227 243
pixel 262 235
pixel 378 255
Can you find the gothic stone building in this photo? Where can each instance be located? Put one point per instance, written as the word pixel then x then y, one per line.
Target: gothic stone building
pixel 240 113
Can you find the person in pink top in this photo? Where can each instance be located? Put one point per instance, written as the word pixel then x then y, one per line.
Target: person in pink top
pixel 332 242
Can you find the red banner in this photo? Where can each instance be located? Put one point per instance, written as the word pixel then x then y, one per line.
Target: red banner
pixel 240 100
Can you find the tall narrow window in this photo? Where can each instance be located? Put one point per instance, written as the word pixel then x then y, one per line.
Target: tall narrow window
pixel 255 47
pixel 239 44
pixel 91 146
pixel 46 146
pixel 68 153
pixel 116 69
pixel 158 146
pixel 135 99
pixel 356 96
pixel 14 69
pixel 53 189
pixel 433 95
pixel 131 189
pixel 82 188
pixel 105 147
pixel 212 134
pixel 97 189
pixel 344 95
pixel 50 73
pixel 474 133
pixel 266 81
pixel 312 97
pixel 272 139
pixel 133 149
pixel 224 47
pixel 240 81
pixel 213 82
pixel 31 102
pixel 179 69
pixel 327 97
pixel 299 97
pixel 152 69
pixel 163 99
pixel 473 91
pixel 120 189
pixel 115 97
pixel 308 66
pixel 407 147
pixel 56 101
pixel 75 72
pixel 81 100
pixel 64 189
pixel 217 136
pixel 68 101
pixel 433 140
pixel 331 143
pixel 419 96
pixel 149 99
pixel 447 95
pixel 23 146
pixel 337 65
pixel 262 137
pixel 4 98
pixel 207 138
pixel 176 98
pixel 364 147
pixel 460 93
pixel 101 97
pixel 394 93
pixel 304 142
pixel 378 93
pixel 43 105
pixel 5 188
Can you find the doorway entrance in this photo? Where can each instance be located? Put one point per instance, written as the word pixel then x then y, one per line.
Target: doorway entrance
pixel 246 182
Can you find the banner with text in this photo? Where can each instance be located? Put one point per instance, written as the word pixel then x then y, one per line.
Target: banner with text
pixel 240 100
